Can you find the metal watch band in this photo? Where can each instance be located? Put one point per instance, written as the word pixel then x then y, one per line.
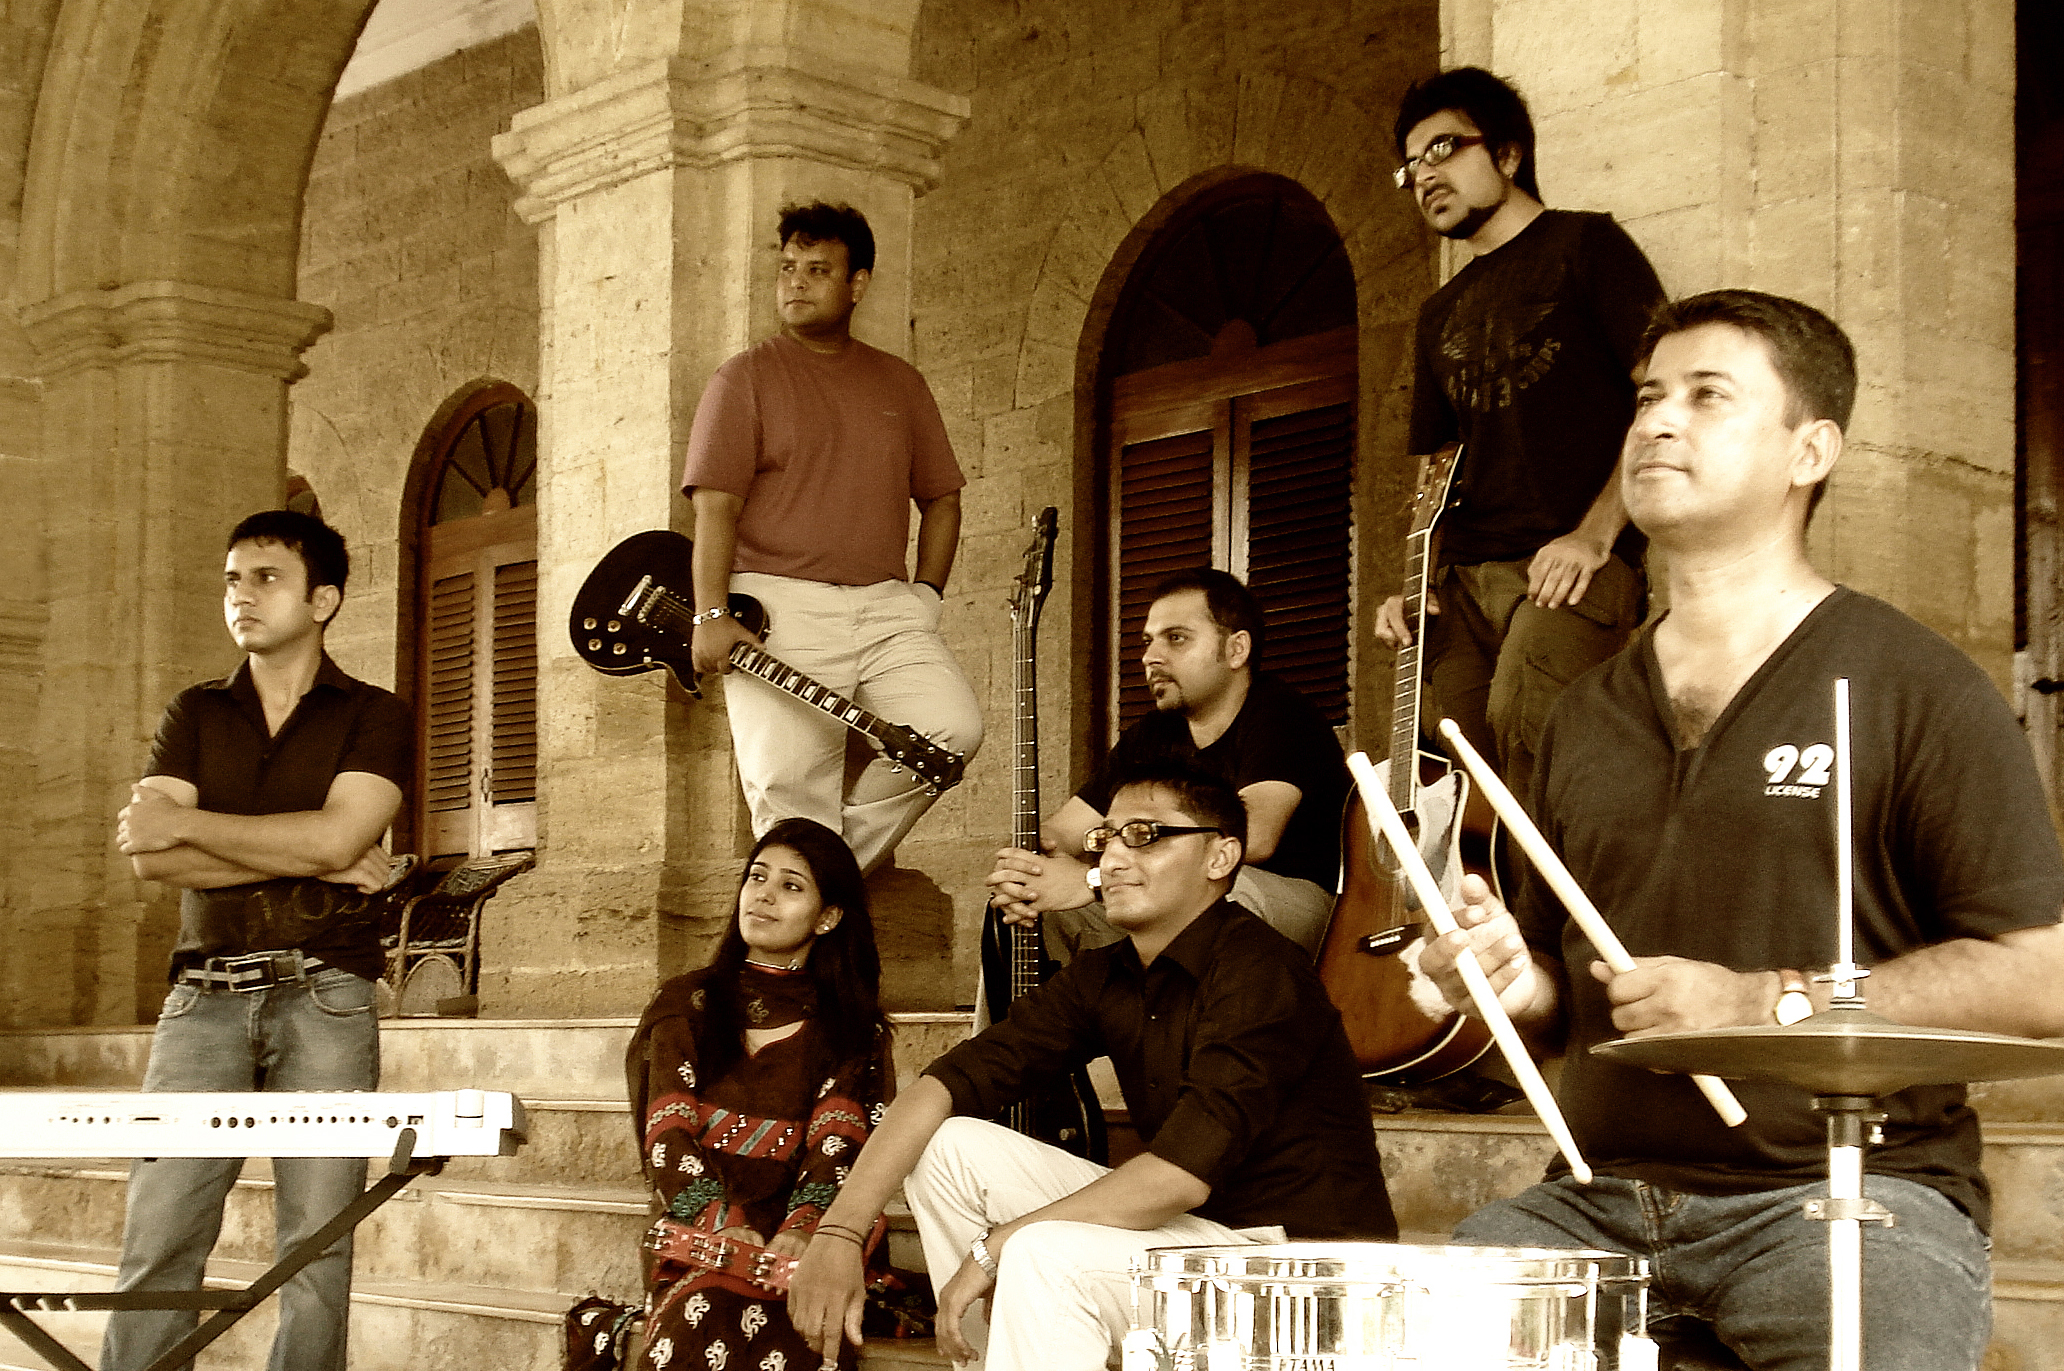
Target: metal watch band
pixel 979 1250
pixel 703 616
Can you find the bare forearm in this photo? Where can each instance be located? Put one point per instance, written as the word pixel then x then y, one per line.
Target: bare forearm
pixel 716 546
pixel 306 843
pixel 1606 517
pixel 190 868
pixel 1144 1193
pixel 2004 986
pixel 938 539
pixel 892 1149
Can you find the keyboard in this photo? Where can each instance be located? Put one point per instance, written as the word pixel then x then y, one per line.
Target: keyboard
pixel 281 1123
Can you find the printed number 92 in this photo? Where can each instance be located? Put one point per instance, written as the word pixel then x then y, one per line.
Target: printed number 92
pixel 1813 763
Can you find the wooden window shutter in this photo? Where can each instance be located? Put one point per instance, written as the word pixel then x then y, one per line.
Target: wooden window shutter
pixel 514 775
pixel 448 700
pixel 1300 465
pixel 1166 522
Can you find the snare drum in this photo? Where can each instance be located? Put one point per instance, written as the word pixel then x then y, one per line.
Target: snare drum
pixel 1387 1307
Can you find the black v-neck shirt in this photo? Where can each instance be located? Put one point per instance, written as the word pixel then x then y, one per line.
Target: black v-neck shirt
pixel 1726 853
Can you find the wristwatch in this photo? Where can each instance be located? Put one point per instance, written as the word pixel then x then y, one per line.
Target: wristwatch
pixel 979 1250
pixel 1793 1003
pixel 703 616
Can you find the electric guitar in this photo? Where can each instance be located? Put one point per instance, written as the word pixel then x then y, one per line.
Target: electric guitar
pixel 634 614
pixel 1369 959
pixel 1065 1112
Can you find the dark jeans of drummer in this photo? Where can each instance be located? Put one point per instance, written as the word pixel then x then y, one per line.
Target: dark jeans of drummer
pixel 1755 1269
pixel 321 1034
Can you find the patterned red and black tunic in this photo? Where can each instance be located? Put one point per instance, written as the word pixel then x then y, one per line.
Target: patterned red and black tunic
pixel 764 1147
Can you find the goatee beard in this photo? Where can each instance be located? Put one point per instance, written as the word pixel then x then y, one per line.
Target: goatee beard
pixel 1465 228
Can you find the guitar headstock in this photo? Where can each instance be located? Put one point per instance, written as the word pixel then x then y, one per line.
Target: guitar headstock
pixel 1431 498
pixel 1028 592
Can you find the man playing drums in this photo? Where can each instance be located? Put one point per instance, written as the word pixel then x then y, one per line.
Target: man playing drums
pixel 1687 784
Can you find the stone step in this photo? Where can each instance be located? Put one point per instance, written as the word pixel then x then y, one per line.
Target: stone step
pixel 534 1058
pixel 395 1326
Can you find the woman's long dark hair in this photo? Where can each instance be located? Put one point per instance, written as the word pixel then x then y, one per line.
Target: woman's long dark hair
pixel 843 963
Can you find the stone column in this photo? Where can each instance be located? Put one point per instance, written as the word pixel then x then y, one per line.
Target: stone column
pixel 164 422
pixel 655 190
pixel 1859 157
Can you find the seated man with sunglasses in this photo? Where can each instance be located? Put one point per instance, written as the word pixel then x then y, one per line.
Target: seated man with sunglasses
pixel 1233 1064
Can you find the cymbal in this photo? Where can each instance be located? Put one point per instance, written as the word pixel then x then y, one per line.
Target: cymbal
pixel 1842 1052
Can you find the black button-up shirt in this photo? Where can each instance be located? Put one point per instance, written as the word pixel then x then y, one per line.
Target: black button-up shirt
pixel 1233 1063
pixel 214 736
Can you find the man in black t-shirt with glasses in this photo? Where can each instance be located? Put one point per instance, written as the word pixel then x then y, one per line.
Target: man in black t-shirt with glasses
pixel 1524 358
pixel 1212 709
pixel 1690 784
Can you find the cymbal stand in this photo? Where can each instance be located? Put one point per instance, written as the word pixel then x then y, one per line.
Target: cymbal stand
pixel 1852 1120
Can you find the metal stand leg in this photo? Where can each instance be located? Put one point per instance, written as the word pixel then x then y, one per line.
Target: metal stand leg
pixel 230 1305
pixel 1851 1118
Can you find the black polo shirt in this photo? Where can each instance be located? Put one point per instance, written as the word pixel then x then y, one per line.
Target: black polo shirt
pixel 213 736
pixel 1232 1061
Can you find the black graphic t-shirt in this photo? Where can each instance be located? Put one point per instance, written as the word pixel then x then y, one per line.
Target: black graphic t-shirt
pixel 1526 356
pixel 1726 853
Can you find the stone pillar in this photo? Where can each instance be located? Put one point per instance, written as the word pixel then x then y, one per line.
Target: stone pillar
pixel 655 190
pixel 164 422
pixel 1859 157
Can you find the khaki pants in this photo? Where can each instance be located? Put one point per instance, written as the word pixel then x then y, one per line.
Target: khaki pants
pixel 1496 661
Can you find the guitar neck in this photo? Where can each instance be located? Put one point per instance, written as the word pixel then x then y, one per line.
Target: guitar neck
pixel 1406 684
pixel 1024 790
pixel 669 611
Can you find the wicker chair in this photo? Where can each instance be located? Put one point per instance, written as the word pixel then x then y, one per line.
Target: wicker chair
pixel 433 956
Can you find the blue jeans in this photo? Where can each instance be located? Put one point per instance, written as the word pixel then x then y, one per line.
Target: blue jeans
pixel 321 1035
pixel 1755 1269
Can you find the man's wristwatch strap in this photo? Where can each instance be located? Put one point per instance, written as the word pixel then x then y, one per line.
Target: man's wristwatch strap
pixel 979 1250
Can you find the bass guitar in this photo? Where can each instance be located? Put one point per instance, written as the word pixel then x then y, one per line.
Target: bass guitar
pixel 1066 1112
pixel 1369 960
pixel 634 614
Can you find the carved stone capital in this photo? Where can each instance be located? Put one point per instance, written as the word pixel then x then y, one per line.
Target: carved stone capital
pixel 173 321
pixel 750 103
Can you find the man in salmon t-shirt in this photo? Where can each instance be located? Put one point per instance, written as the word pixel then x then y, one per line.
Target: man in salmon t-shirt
pixel 806 455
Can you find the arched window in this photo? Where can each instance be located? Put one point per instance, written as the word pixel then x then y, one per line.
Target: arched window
pixel 1229 371
pixel 476 648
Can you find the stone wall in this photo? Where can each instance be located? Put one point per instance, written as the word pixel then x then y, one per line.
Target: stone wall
pixel 1858 157
pixel 1091 125
pixel 409 239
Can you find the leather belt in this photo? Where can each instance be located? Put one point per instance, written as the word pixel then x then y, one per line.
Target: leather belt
pixel 252 971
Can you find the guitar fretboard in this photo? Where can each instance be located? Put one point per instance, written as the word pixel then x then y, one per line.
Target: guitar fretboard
pixel 1404 704
pixel 1025 788
pixel 667 610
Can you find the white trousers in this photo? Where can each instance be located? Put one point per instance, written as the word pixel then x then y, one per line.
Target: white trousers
pixel 879 646
pixel 1063 1297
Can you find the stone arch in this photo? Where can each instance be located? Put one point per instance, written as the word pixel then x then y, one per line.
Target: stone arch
pixel 172 142
pixel 1186 137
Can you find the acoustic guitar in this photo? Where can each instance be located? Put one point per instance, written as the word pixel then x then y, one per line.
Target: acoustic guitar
pixel 1369 958
pixel 633 614
pixel 1065 1113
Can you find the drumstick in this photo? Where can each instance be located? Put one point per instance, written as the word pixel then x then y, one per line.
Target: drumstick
pixel 1390 826
pixel 1610 948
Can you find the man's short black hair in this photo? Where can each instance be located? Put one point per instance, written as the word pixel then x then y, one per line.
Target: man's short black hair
pixel 1205 797
pixel 320 546
pixel 818 222
pixel 1808 350
pixel 1489 102
pixel 1232 605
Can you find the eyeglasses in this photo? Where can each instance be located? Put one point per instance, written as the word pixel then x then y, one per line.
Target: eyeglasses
pixel 1443 147
pixel 1138 833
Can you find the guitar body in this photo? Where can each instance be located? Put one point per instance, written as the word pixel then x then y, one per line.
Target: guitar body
pixel 635 612
pixel 608 637
pixel 1402 1031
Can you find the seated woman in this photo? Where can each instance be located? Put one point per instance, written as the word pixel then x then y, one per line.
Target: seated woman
pixel 753 1083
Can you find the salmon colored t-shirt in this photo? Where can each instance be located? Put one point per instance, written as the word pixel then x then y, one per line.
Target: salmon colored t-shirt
pixel 827 451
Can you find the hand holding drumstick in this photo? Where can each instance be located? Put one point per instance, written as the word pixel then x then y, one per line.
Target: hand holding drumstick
pixel 1581 910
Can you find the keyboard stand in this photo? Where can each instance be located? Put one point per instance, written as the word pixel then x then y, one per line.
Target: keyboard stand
pixel 230 1305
